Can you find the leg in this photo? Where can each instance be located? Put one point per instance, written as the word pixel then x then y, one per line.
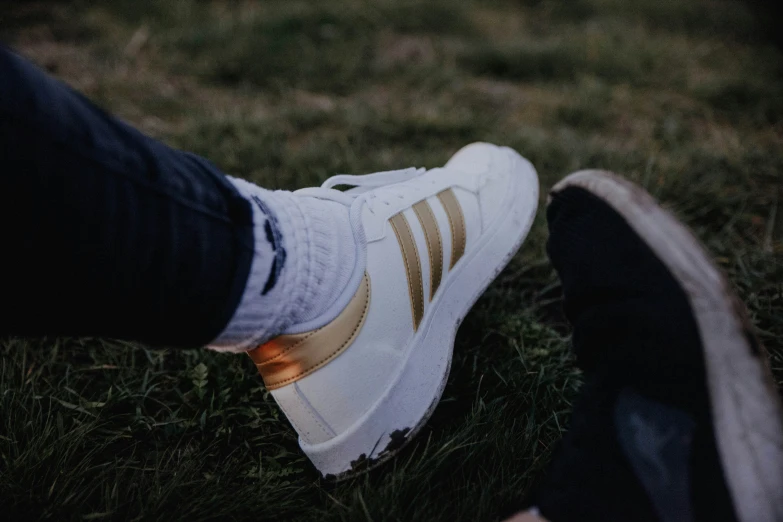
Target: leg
pixel 111 233
pixel 105 231
pixel 364 290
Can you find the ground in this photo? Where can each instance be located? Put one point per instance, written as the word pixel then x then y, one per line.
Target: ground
pixel 685 98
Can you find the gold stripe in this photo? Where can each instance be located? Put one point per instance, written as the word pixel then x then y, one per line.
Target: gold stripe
pixel 434 243
pixel 412 266
pixel 456 222
pixel 288 358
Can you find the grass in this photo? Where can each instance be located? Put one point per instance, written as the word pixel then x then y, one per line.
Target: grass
pixel 685 98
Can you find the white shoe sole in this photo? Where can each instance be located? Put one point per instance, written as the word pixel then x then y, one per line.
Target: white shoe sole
pixel 410 399
pixel 746 408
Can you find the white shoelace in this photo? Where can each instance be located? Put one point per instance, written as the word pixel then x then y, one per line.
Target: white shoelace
pixel 379 188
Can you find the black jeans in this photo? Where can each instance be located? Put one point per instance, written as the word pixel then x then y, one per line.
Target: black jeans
pixel 105 231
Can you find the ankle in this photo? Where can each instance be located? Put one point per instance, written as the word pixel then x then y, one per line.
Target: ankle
pixel 305 255
pixel 327 254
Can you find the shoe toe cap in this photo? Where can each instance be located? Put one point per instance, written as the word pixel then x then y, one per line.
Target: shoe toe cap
pixel 498 172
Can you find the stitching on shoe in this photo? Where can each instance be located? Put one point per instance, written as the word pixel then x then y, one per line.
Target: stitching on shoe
pixel 464 242
pixel 336 352
pixel 285 351
pixel 309 409
pixel 289 417
pixel 453 235
pixel 419 280
pixel 439 244
pixel 409 274
pixel 432 261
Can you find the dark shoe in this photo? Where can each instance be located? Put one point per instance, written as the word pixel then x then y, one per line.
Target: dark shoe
pixel 679 419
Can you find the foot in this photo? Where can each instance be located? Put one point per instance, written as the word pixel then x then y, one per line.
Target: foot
pixel 679 418
pixel 360 380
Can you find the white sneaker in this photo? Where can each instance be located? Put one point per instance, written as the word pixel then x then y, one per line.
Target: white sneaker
pixel 360 381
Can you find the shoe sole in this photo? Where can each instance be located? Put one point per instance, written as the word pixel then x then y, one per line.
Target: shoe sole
pixel 746 408
pixel 414 393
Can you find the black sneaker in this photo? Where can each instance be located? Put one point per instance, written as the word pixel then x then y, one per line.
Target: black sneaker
pixel 679 419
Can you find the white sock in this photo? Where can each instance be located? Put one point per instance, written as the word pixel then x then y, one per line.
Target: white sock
pixel 305 254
